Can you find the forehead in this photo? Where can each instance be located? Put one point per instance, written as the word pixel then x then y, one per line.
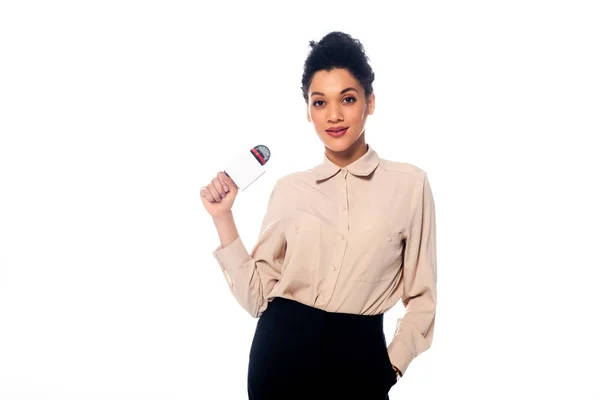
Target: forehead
pixel 333 82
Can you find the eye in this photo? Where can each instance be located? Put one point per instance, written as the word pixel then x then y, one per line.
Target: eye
pixel 315 103
pixel 350 97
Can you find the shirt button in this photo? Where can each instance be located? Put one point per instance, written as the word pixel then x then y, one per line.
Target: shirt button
pixel 296 227
pixel 389 239
pixel 343 208
pixel 341 237
pixel 334 267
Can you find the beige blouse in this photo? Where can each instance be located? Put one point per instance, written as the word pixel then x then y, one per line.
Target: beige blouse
pixel 355 240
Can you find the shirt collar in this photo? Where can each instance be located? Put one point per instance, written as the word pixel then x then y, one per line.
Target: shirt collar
pixel 365 165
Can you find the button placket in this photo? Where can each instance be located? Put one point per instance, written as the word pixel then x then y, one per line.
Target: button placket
pixel 339 254
pixel 345 206
pixel 342 226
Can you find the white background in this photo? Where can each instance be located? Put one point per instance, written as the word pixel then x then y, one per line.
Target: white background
pixel 113 114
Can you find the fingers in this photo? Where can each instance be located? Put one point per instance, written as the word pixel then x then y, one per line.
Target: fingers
pixel 218 186
pixel 224 180
pixel 213 192
pixel 204 192
pixel 217 189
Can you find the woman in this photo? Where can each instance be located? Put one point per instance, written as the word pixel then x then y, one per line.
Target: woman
pixel 339 245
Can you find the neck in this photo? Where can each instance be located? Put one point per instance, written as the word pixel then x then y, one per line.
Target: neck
pixel 348 156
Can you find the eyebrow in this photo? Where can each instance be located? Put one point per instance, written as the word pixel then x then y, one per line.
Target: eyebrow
pixel 342 92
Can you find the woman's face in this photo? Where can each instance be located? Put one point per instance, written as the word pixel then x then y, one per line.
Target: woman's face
pixel 336 99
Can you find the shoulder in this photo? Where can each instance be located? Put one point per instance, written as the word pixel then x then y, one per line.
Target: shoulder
pixel 403 168
pixel 290 179
pixel 284 183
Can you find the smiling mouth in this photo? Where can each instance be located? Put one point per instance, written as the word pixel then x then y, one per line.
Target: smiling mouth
pixel 337 133
pixel 337 129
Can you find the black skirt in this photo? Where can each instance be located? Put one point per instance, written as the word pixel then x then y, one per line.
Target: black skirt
pixel 302 352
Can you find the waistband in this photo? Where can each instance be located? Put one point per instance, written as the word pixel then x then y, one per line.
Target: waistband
pixel 283 307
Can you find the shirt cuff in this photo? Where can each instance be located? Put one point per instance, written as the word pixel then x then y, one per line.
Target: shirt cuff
pixel 231 256
pixel 400 355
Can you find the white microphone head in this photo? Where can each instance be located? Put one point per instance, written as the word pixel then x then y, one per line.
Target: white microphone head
pixel 247 166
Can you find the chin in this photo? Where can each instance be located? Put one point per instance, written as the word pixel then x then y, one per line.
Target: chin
pixel 344 141
pixel 333 142
pixel 338 145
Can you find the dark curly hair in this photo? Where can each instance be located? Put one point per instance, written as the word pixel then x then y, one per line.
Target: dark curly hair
pixel 338 50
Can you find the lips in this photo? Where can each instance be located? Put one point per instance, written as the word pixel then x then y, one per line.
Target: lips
pixel 337 129
pixel 337 132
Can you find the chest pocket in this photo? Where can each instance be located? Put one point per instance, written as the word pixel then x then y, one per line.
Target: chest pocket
pixel 381 256
pixel 303 236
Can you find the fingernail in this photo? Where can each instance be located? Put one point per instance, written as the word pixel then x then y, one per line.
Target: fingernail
pixel 226 188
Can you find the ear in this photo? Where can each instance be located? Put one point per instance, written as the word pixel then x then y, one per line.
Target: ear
pixel 308 115
pixel 371 103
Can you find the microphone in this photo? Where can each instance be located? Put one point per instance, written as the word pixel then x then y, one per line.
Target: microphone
pixel 247 166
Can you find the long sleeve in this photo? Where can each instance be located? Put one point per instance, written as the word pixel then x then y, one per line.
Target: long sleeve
pixel 251 276
pixel 414 331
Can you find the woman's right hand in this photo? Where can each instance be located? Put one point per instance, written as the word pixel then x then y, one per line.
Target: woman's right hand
pixel 218 196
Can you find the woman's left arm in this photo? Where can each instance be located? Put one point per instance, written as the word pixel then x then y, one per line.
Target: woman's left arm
pixel 414 331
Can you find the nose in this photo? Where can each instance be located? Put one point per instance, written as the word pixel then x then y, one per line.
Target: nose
pixel 335 114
